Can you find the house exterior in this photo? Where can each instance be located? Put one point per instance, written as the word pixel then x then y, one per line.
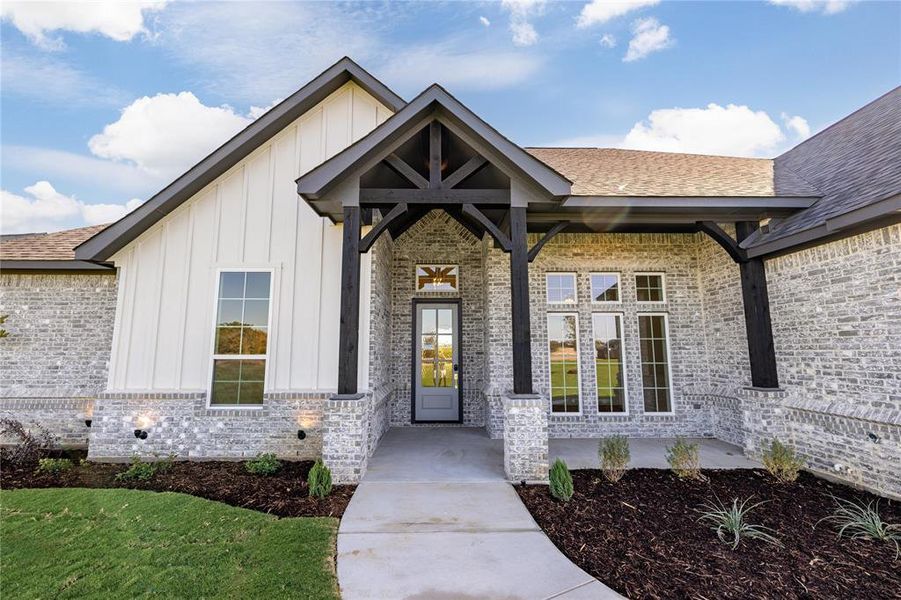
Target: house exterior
pixel 352 262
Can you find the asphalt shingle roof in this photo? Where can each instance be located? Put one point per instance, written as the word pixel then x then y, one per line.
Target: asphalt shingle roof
pixel 617 172
pixel 59 245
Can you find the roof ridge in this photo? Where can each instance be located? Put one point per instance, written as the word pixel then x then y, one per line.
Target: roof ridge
pixel 647 152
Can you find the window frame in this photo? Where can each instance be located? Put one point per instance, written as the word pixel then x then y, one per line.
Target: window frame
pixel 217 282
pixel 669 364
pixel 663 293
pixel 621 316
pixel 575 279
pixel 619 288
pixel 416 268
pixel 550 387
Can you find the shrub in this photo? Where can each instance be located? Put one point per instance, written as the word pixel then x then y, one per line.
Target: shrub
pixel 684 459
pixel 263 464
pixel 139 470
pixel 730 524
pixel 30 442
pixel 614 455
pixel 561 481
pixel 54 466
pixel 863 521
pixel 782 462
pixel 319 480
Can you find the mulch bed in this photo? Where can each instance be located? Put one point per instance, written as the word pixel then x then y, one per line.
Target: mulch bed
pixel 284 494
pixel 642 538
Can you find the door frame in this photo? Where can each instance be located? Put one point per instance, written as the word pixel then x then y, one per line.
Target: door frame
pixel 414 363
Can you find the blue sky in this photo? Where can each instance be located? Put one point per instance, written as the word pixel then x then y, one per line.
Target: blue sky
pixel 104 104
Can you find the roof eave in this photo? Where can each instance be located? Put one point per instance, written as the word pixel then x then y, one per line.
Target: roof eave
pixel 20 266
pixel 103 245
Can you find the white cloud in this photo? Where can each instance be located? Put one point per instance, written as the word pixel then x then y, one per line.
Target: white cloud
pixel 521 13
pixel 81 170
pixel 607 40
pixel 167 133
pixel 115 19
pixel 732 130
pixel 797 125
pixel 45 209
pixel 601 11
pixel 648 36
pixel 454 68
pixel 827 7
pixel 484 21
pixel 256 112
pixel 51 80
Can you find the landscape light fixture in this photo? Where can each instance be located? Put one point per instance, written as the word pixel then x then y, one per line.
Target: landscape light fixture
pixel 301 434
pixel 141 434
pixel 87 422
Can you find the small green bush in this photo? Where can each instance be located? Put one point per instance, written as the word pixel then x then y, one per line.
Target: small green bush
pixel 861 520
pixel 54 466
pixel 782 462
pixel 561 481
pixel 684 459
pixel 319 480
pixel 613 453
pixel 263 464
pixel 731 525
pixel 139 471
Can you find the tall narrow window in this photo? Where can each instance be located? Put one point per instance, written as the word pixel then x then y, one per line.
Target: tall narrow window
pixel 608 360
pixel 561 288
pixel 655 378
pixel 563 347
pixel 242 333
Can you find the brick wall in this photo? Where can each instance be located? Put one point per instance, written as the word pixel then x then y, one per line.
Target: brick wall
pixel 56 357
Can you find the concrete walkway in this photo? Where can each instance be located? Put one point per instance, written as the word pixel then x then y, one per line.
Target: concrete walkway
pixel 434 519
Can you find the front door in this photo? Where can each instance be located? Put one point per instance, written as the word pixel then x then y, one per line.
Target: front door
pixel 436 362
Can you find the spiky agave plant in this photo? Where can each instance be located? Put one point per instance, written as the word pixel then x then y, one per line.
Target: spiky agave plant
pixel 862 520
pixel 730 522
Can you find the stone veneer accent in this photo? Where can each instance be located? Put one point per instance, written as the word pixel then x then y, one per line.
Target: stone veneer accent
pixel 181 424
pixel 353 426
pixel 525 438
pixel 56 356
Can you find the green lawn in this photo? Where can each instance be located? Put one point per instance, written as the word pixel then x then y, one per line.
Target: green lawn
pixel 93 543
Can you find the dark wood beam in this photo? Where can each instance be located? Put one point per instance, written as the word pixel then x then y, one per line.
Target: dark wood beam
pixel 468 168
pixel 374 233
pixel 479 217
pixel 457 214
pixel 736 252
pixel 434 196
pixel 546 238
pixel 349 327
pixel 759 327
pixel 406 171
pixel 435 155
pixel 519 302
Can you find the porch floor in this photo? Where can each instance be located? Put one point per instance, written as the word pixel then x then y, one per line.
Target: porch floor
pixel 649 453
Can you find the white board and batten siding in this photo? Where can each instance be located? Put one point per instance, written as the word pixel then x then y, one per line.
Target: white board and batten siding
pixel 249 217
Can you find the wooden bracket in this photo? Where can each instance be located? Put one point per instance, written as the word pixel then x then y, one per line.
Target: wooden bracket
pixel 546 238
pixel 374 233
pixel 406 171
pixel 736 252
pixel 468 168
pixel 474 213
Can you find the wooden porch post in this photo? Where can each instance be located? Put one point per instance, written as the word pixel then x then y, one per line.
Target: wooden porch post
pixel 755 297
pixel 519 297
pixel 348 347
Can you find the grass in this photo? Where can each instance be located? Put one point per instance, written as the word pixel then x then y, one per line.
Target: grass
pixel 89 543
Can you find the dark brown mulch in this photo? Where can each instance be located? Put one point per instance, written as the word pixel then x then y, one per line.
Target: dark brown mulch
pixel 642 538
pixel 284 494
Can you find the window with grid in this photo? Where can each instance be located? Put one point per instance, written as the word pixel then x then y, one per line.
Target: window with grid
pixel 605 287
pixel 561 288
pixel 609 364
pixel 242 332
pixel 649 287
pixel 652 334
pixel 563 348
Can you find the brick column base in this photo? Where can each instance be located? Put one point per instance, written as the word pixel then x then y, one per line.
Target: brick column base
pixel 525 437
pixel 763 418
pixel 345 438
